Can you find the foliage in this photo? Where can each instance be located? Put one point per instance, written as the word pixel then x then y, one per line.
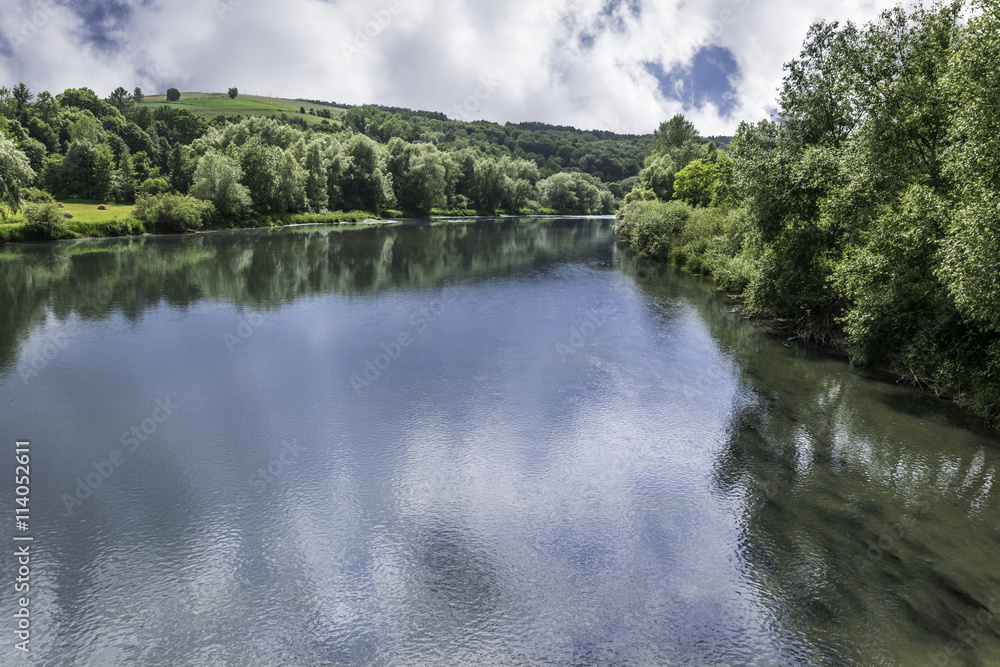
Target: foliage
pixel 155 186
pixel 972 244
pixel 37 196
pixel 172 213
pixel 15 175
pixel 653 227
pixel 217 180
pixel 868 212
pixel 46 222
pixel 233 92
pixel 695 183
pixel 173 94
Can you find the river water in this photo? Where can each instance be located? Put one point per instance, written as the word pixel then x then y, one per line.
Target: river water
pixel 505 442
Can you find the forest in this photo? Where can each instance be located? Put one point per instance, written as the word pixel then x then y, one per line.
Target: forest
pixel 866 214
pixel 182 171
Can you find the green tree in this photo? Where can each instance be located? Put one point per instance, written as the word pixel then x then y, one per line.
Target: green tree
pixel 119 99
pixel 895 299
pixel 217 180
pixel 673 133
pixel 137 95
pixel 22 95
pixel 695 183
pixel 972 244
pixel 154 186
pixel 290 193
pixel 233 92
pixel 426 181
pixel 181 166
pixel 46 222
pixel 816 106
pixel 658 179
pixel 124 186
pixel 259 166
pixel 85 128
pixel 317 195
pixel 570 191
pixel 15 175
pixel 490 184
pixel 171 212
pixel 104 173
pixel 364 183
pixel 173 94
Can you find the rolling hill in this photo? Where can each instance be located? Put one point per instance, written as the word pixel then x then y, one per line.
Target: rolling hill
pixel 210 105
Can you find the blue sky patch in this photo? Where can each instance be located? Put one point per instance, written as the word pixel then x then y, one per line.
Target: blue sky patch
pixel 707 78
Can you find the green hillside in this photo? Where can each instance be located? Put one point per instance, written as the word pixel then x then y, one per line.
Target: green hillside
pixel 210 105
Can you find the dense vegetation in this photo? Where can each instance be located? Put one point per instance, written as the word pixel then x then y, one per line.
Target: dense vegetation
pixel 867 213
pixel 183 171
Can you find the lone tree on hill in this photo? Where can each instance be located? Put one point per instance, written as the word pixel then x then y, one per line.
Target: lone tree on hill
pixel 233 92
pixel 22 95
pixel 137 95
pixel 173 94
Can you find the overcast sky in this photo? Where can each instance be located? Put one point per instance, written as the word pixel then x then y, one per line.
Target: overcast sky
pixel 622 65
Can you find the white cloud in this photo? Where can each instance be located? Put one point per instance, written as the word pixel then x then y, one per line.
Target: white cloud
pixel 421 54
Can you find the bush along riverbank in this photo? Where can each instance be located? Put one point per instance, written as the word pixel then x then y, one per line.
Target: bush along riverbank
pixel 47 222
pixel 178 214
pixel 945 356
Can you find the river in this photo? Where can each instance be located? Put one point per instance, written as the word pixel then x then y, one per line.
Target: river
pixel 505 442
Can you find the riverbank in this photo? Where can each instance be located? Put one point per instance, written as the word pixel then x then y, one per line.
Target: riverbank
pixel 719 245
pixel 20 231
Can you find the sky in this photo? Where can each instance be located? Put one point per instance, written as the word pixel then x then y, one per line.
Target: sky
pixel 619 65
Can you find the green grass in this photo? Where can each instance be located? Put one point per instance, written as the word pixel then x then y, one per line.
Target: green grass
pixel 210 105
pixel 83 210
pixel 283 219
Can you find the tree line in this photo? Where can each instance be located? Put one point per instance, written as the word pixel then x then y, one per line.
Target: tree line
pixel 866 213
pixel 181 170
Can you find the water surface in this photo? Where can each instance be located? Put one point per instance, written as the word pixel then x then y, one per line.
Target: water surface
pixel 509 442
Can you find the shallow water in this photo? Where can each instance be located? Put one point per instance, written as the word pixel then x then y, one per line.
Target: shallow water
pixel 508 442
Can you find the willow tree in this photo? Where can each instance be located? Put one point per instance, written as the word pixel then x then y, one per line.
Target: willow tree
pixel 15 175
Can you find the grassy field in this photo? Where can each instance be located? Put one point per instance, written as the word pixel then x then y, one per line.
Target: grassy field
pixel 210 105
pixel 83 210
pixel 88 221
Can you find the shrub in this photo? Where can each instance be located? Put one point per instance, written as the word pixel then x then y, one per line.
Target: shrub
pixel 115 227
pixel 37 196
pixel 652 227
pixel 172 213
pixel 45 222
pixel 155 186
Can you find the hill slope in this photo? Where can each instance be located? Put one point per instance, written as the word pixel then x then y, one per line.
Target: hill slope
pixel 210 105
